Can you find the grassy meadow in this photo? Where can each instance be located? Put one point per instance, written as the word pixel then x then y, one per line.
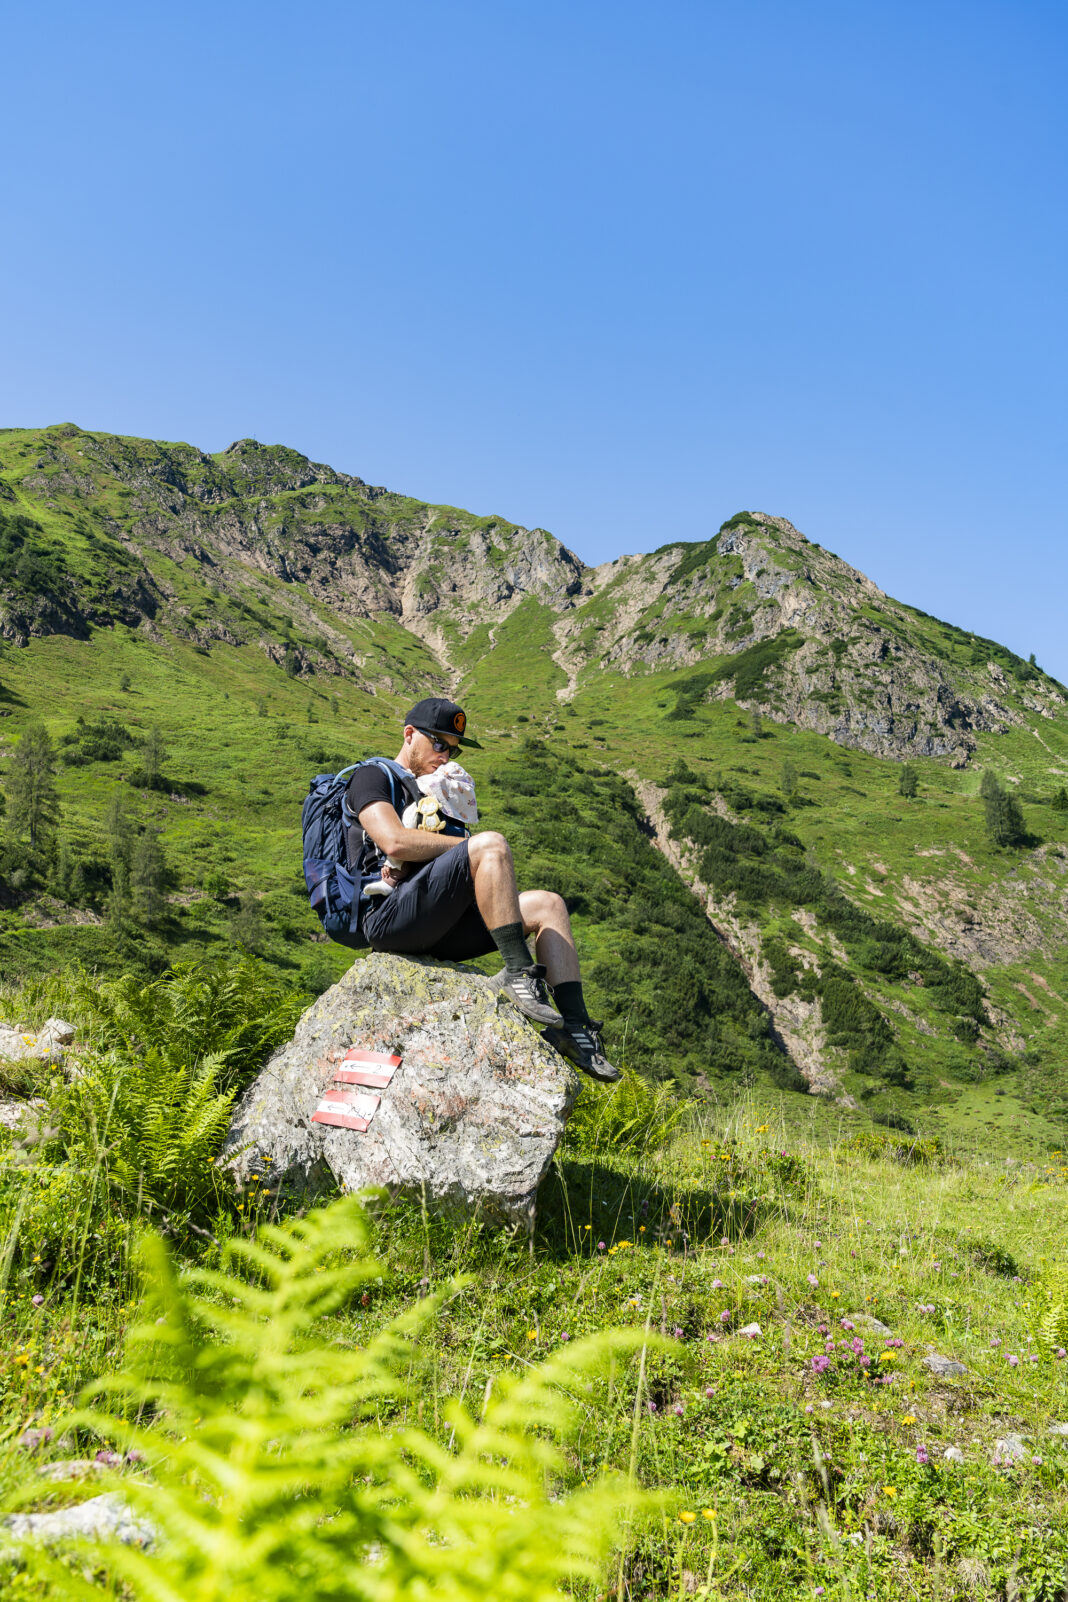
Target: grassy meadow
pixel 733 1303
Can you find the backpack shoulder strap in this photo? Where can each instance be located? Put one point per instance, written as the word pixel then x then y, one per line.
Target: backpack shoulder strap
pixel 402 784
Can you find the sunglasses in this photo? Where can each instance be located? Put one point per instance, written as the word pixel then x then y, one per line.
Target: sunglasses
pixel 438 745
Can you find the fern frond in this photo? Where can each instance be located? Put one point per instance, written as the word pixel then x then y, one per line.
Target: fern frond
pixel 274 1475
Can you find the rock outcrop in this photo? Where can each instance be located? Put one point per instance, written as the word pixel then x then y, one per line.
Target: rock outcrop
pixel 470 1119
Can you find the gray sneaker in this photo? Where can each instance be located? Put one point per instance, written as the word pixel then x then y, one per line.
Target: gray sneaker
pixel 581 1045
pixel 526 990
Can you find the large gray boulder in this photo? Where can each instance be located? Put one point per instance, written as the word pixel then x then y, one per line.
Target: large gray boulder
pixel 470 1119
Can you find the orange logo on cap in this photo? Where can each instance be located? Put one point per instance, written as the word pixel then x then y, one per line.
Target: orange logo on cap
pixel 459 722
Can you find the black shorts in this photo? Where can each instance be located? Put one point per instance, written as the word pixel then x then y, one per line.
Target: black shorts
pixel 432 913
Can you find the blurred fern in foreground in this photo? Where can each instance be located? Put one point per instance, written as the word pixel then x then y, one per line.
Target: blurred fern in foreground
pixel 282 1467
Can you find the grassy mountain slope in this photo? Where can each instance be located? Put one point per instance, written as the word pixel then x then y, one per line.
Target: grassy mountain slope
pixel 274 617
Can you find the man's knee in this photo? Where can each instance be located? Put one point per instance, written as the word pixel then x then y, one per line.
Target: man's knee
pixel 544 907
pixel 486 846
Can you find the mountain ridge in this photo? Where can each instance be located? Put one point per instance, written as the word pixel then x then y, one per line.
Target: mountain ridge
pixel 864 669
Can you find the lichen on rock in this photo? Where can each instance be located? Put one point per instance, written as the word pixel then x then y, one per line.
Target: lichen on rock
pixel 470 1120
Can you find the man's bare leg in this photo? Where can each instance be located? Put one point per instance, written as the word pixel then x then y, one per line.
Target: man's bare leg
pixel 545 917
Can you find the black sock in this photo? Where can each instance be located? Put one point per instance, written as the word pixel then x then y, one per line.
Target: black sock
pixel 513 948
pixel 568 997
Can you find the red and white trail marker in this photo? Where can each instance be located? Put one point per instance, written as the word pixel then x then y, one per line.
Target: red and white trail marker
pixel 349 1103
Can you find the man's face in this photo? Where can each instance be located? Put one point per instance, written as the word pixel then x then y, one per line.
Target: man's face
pixel 422 756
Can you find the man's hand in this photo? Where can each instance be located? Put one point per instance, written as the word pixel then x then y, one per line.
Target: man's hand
pixel 380 821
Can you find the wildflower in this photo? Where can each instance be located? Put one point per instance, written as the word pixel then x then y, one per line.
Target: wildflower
pixel 762 1129
pixel 996 1341
pixel 888 1490
pixel 641 1229
pixel 37 1259
pixel 564 1336
pixel 532 1334
pixel 678 1334
pixel 908 1419
pixel 1014 1361
pixel 820 1363
pixel 847 1323
pixel 708 1513
pixel 809 1408
pixel 710 1391
pixel 1037 1461
pixel 835 1295
pixel 717 1284
pixel 760 1257
pixel 37 1301
pixel 724 1241
pixel 725 1317
pixel 818 1245
pixel 921 1456
pixel 887 1357
pixel 687 1518
pixel 600 1245
pixel 1060 1352
pixel 678 1410
pixel 864 1360
pixel 651 1406
pixel 813 1281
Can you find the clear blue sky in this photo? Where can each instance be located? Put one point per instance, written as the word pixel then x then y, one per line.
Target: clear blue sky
pixel 616 269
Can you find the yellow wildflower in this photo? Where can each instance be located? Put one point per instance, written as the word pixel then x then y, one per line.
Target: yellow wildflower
pixel 708 1513
pixel 908 1419
pixel 687 1518
pixel 888 1490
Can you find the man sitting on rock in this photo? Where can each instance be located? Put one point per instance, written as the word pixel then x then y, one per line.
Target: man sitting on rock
pixel 456 898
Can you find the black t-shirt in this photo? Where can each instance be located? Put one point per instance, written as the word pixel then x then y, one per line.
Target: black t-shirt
pixel 367 785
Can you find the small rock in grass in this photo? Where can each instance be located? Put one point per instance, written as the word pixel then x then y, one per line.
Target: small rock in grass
pixel 1009 1449
pixel 947 1367
pixel 953 1454
pixel 752 1332
pixel 865 1321
pixel 71 1468
pixel 1058 1429
pixel 102 1518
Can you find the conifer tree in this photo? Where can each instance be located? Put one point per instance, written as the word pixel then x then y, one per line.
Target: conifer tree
pixel 153 758
pixel 148 873
pixel 1060 800
pixel 32 794
pixel 907 783
pixel 120 835
pixel 1004 819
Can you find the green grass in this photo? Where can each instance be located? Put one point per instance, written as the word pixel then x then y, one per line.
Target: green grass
pixel 796 1478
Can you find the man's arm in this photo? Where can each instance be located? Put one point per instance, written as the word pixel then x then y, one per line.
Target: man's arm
pixel 381 822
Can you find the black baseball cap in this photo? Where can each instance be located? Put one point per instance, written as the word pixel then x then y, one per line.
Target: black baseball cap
pixel 437 716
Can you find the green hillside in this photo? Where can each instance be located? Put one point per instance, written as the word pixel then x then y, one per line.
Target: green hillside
pixel 702 749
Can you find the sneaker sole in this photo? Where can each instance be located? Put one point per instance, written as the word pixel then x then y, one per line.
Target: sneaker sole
pixel 611 1077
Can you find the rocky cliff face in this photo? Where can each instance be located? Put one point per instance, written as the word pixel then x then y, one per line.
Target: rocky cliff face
pixel 814 642
pixel 258 543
